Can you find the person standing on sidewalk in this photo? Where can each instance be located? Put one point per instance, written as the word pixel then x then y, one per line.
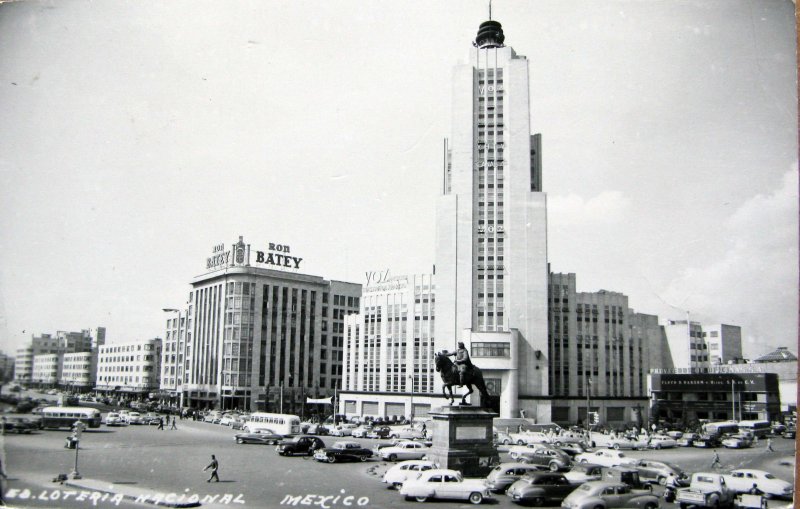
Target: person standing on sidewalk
pixel 214 466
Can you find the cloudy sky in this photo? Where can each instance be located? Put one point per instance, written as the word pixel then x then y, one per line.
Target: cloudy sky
pixel 136 135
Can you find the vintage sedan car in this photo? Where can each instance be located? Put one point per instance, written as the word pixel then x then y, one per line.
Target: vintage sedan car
pixel 601 494
pixel 501 437
pixel 262 436
pixel 706 441
pixel 661 442
pixel 572 449
pixel 135 418
pixel 151 418
pixel 505 474
pixel 114 419
pixel 737 442
pixel 584 472
pixel 531 437
pixel 404 450
pixel 406 433
pixel 658 471
pixel 19 425
pixel 605 458
pixel 301 444
pixel 238 423
pixel 687 440
pixel 445 484
pixel 790 432
pixel 543 456
pixel 343 451
pixel 625 443
pixel 361 431
pixel 540 488
pixel 343 430
pixel 743 479
pixel 379 432
pixel 569 438
pixel 398 474
pixel 675 434
pixel 228 419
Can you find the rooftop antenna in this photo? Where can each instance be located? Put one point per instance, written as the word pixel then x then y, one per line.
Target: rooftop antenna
pixel 490 10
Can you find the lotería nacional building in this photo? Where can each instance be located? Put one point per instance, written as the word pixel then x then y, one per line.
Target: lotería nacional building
pixel 258 334
pixel 491 228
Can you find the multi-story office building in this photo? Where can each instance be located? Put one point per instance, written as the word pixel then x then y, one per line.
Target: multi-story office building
pixel 259 335
pixel 23 365
pixel 695 347
pixel 172 356
pixel 129 370
pixel 79 371
pixel 491 240
pixel 63 342
pixel 47 369
pixel 388 349
pixel 6 367
pixel 598 351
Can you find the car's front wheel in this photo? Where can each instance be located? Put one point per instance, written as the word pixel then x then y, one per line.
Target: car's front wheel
pixel 239 441
pixel 421 499
pixel 616 447
pixel 393 457
pixel 553 466
pixel 331 459
pixel 364 458
pixel 475 498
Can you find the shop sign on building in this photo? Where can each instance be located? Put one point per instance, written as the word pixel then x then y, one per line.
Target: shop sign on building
pixel 220 257
pixel 278 256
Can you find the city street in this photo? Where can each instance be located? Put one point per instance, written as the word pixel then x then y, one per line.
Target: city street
pixel 172 461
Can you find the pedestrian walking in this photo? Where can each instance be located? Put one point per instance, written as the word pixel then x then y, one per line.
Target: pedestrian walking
pixel 160 423
pixel 214 466
pixel 173 423
pixel 769 445
pixel 716 463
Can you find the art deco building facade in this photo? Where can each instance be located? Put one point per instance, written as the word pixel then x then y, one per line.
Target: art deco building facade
pixel 79 371
pixel 258 336
pixel 388 350
pixel 129 369
pixel 491 235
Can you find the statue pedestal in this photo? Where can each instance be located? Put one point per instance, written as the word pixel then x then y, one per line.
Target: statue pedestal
pixel 463 440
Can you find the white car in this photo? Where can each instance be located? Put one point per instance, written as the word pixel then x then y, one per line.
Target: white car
pixel 406 433
pixel 228 419
pixel 398 474
pixel 530 437
pixel 625 443
pixel 135 418
pixel 584 472
pixel 605 458
pixel 343 430
pixel 446 484
pixel 742 480
pixel 113 419
pixel 661 442
pixel 404 451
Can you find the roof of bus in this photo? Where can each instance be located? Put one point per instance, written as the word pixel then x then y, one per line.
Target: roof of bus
pixel 76 409
pixel 267 414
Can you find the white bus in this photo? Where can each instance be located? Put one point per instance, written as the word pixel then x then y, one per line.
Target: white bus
pixel 759 429
pixel 281 424
pixel 54 417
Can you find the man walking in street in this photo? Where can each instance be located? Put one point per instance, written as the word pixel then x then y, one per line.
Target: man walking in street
pixel 173 423
pixel 160 423
pixel 769 445
pixel 214 466
pixel 716 463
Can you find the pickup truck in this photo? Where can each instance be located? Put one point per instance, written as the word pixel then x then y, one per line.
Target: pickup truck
pixel 706 490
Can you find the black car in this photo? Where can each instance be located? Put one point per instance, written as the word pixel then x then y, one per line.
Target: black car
pixel 19 425
pixel 343 451
pixel 790 432
pixel 262 437
pixel 380 432
pixel 302 444
pixel 707 441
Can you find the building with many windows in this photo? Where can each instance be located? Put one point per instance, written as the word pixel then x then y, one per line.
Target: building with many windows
pixel 258 334
pixel 599 354
pixel 60 344
pixel 491 228
pixel 697 346
pixel 129 370
pixel 388 349
pixel 47 369
pixel 172 356
pixel 79 371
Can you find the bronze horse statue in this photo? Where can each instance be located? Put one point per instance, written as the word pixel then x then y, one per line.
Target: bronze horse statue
pixel 449 373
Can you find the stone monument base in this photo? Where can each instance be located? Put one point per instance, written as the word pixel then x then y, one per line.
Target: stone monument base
pixel 463 439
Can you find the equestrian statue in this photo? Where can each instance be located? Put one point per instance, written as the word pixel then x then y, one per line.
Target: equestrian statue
pixel 461 372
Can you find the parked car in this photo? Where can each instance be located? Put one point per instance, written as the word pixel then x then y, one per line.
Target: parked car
pixel 317 429
pixel 398 474
pixel 530 437
pixel 584 472
pixel 135 418
pixel 626 475
pixel 19 425
pixel 706 489
pixel 790 432
pixel 543 456
pixel 406 433
pixel 572 449
pixel 238 423
pixel 445 484
pixel 301 444
pixel 501 437
pixel 361 431
pixel 343 430
pixel 743 479
pixel 658 471
pixel 405 450
pixel 262 436
pixel 737 442
pixel 114 419
pixel 625 443
pixel 675 434
pixel 706 441
pixel 540 488
pixel 343 451
pixel 380 432
pixel 151 418
pixel 687 440
pixel 228 419
pixel 505 474
pixel 601 494
pixel 605 458
pixel 661 442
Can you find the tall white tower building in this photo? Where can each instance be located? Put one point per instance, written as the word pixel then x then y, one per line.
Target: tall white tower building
pixel 491 240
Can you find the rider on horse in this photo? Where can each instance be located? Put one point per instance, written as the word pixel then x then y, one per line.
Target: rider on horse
pixel 462 361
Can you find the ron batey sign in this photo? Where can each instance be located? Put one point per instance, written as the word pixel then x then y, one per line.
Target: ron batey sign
pixel 278 255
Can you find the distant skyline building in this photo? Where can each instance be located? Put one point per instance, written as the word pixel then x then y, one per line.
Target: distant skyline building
pixel 46 344
pixel 491 229
pixel 694 346
pixel 258 334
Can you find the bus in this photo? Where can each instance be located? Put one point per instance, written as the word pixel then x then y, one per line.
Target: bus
pixel 281 424
pixel 759 429
pixel 720 428
pixel 55 417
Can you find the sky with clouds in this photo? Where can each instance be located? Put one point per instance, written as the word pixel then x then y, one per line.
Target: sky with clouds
pixel 137 135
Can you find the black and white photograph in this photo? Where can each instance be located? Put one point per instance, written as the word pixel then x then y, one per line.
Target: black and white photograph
pixel 389 254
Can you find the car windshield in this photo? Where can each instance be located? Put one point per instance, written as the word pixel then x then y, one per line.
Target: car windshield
pixel 769 476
